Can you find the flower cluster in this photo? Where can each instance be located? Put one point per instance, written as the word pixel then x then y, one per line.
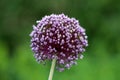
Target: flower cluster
pixel 58 37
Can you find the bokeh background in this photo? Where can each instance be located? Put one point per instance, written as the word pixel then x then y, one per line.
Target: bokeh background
pixel 100 18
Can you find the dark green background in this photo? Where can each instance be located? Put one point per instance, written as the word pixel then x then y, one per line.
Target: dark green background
pixel 100 18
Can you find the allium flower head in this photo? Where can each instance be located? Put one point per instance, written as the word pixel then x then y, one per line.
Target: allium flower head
pixel 58 37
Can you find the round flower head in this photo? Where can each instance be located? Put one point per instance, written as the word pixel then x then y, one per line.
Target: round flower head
pixel 58 37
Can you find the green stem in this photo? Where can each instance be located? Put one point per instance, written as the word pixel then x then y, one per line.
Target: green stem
pixel 52 69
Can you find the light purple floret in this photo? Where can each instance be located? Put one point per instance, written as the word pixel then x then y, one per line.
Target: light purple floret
pixel 60 37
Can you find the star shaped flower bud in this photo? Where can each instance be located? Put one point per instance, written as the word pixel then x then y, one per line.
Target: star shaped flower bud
pixel 58 37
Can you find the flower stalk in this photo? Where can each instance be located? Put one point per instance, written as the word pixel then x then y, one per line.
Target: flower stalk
pixel 52 69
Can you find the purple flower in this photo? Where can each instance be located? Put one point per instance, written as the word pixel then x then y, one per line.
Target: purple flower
pixel 59 37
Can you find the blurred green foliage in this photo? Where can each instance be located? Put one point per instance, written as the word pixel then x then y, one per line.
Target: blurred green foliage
pixel 101 19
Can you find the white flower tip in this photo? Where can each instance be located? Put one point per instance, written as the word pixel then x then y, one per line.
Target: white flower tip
pixel 81 56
